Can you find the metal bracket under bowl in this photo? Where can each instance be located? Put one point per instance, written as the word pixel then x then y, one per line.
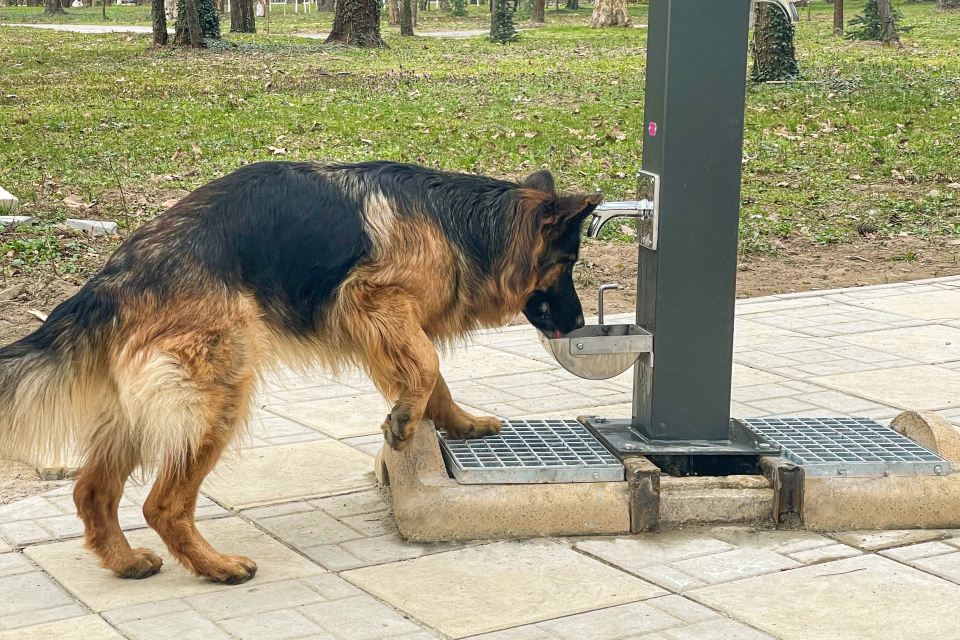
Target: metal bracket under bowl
pixel 600 351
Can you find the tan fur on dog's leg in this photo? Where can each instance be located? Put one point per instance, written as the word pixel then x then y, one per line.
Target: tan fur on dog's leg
pixel 447 415
pixel 97 496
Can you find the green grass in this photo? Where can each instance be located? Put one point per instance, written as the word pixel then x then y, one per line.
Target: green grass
pixel 870 135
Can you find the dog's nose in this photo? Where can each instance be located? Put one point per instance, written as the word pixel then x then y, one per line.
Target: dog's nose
pixel 579 321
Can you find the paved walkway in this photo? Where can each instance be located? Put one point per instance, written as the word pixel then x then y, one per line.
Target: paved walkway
pixel 302 501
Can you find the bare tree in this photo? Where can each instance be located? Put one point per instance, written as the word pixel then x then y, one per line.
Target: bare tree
pixel 357 23
pixel 888 23
pixel 609 13
pixel 243 17
pixel 159 23
pixel 406 17
pixel 53 7
pixel 539 11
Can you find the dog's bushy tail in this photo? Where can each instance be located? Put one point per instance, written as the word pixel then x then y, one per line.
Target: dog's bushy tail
pixel 51 379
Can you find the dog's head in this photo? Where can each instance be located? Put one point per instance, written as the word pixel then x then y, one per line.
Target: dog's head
pixel 554 307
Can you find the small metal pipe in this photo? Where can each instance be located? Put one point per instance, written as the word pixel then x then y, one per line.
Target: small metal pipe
pixel 604 287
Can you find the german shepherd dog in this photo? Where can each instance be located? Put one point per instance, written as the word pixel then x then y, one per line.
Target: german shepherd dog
pixel 155 361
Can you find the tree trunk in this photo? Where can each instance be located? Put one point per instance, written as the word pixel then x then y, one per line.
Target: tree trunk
pixel 196 20
pixel 324 5
pixel 170 8
pixel 243 17
pixel 445 6
pixel 357 23
pixel 192 14
pixel 572 5
pixel 774 57
pixel 393 11
pixel 539 11
pixel 406 17
pixel 103 9
pixel 838 17
pixel 159 23
pixel 609 13
pixel 888 25
pixel 53 7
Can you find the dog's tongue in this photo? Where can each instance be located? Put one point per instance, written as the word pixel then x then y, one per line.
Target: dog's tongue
pixel 557 334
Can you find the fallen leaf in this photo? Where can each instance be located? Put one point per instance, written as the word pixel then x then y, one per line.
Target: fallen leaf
pixel 616 135
pixel 196 148
pixel 530 134
pixel 42 317
pixel 276 151
pixel 176 154
pixel 168 203
pixel 855 176
pixel 75 202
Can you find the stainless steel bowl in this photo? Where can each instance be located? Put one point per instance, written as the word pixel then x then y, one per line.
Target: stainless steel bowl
pixel 599 351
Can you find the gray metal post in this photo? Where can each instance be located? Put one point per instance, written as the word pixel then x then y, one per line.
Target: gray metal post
pixel 696 80
pixel 693 111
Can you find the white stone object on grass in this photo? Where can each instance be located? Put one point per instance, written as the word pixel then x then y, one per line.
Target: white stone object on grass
pixel 13 221
pixel 8 202
pixel 98 227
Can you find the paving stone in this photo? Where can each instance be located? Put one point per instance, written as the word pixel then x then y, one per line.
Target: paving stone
pixel 356 415
pixel 276 625
pixel 877 540
pixel 946 566
pixel 187 625
pixel 4 547
pixel 720 629
pixel 244 600
pixel 933 305
pixel 620 410
pixel 734 565
pixel 17 563
pixel 762 392
pixel 928 344
pixel 352 504
pixel 825 554
pixel 613 623
pixel 306 394
pixel 372 524
pixel 502 584
pixel 657 549
pixel 682 609
pixel 288 472
pixel 919 388
pixel 333 557
pixel 31 598
pixel 483 362
pixel 782 542
pixel 308 529
pixel 370 445
pixel 118 617
pixel 393 548
pixel 763 360
pixel 669 578
pixel 835 367
pixel 287 508
pixel 85 628
pixel 331 587
pixel 78 571
pixel 863 597
pixel 782 406
pixel 361 618
pixel 528 632
pixel 917 551
pixel 28 509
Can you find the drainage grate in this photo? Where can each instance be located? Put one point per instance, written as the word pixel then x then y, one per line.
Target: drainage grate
pixel 532 451
pixel 855 447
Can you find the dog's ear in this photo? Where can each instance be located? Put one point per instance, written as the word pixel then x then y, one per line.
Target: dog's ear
pixel 541 181
pixel 559 211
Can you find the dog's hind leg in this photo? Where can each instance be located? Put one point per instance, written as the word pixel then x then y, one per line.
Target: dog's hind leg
pixel 447 415
pixel 111 458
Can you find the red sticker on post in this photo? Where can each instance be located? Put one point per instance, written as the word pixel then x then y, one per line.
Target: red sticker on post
pixel 652 128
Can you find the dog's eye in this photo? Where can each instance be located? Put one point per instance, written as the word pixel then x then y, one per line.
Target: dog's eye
pixel 544 308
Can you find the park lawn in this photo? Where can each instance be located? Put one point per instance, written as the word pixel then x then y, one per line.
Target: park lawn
pixel 870 136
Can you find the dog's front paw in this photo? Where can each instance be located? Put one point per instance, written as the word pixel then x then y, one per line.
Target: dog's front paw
pixel 398 428
pixel 475 427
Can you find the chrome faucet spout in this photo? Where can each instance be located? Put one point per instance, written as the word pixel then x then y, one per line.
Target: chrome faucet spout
pixel 606 211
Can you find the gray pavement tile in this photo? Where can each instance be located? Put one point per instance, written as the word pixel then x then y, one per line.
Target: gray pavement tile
pixel 89 627
pixel 878 540
pixel 824 554
pixel 917 551
pixel 352 504
pixel 333 557
pixel 782 542
pixel 763 392
pixel 12 564
pixel 613 623
pixel 393 548
pixel 118 617
pixel 308 529
pixel 761 360
pixel 242 601
pixel 275 625
pixel 782 406
pixel 867 597
pixel 370 445
pixel 30 508
pixel 527 632
pixel 919 388
pixel 378 523
pixel 184 625
pixel 719 629
pixel 361 618
pixel 29 597
pixel 682 609
pixel 669 578
pixel 841 402
pixel 734 565
pixel 633 554
pixel 834 367
pixel 946 566
pixel 331 587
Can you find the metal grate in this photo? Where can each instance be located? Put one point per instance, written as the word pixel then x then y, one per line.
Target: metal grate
pixel 854 447
pixel 532 451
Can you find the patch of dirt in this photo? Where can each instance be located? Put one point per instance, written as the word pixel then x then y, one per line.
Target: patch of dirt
pixel 801 265
pixel 18 481
pixel 38 292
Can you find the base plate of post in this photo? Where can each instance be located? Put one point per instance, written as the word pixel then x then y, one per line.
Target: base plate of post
pixel 624 440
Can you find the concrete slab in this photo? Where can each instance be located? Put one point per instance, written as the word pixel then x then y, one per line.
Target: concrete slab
pixel 734 565
pixel 701 500
pixel 633 554
pixel 84 628
pixel 916 388
pixel 825 554
pixel 4 547
pixel 481 362
pixel 340 417
pixel 501 585
pixel 782 542
pixel 880 540
pixel 864 597
pixel 946 566
pixel 287 472
pixel 933 305
pixel 99 589
pixel 918 551
pixel 8 204
pixel 928 344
